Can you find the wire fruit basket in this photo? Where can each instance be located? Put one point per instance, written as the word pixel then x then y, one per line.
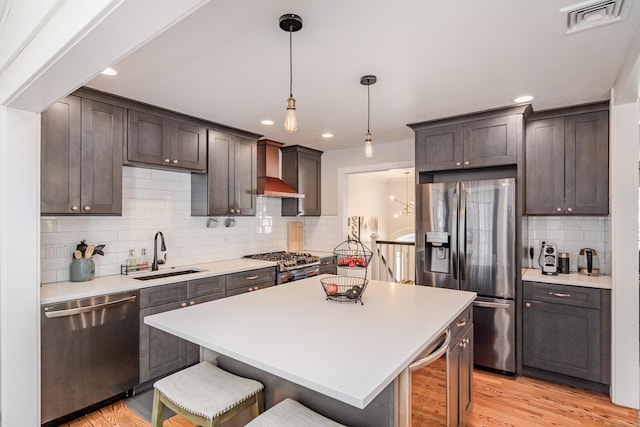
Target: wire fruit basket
pixel 344 288
pixel 352 254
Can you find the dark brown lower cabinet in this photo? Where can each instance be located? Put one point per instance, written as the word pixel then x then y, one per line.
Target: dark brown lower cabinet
pixel 162 353
pixel 567 334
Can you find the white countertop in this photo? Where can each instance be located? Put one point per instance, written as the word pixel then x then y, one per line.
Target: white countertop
pixel 347 351
pixel 573 279
pixel 61 291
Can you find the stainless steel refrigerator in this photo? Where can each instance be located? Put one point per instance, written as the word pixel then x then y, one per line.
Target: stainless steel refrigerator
pixel 465 239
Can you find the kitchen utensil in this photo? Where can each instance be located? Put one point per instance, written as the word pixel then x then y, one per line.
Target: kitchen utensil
pixel 77 254
pixel 89 252
pixel 550 259
pixel 563 262
pixel 588 262
pixel 295 236
pixel 531 257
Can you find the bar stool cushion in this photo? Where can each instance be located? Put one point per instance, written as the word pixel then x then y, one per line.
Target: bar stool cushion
pixel 206 390
pixel 290 413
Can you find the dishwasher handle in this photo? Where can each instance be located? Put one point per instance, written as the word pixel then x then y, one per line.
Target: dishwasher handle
pixel 78 310
pixel 432 357
pixel 486 304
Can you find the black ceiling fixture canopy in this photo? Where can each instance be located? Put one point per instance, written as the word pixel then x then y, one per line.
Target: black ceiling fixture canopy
pixel 290 22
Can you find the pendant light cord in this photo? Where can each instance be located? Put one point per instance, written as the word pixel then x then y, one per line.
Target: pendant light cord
pixel 290 62
pixel 368 108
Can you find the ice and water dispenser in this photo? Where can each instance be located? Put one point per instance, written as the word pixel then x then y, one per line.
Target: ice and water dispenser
pixel 437 252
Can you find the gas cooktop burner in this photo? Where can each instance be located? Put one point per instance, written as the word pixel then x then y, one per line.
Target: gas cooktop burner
pixel 288 260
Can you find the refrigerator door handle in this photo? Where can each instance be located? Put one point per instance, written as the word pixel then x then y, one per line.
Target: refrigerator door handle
pixel 462 240
pixel 486 304
pixel 454 234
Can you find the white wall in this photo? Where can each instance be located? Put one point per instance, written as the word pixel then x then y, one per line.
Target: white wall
pixel 336 162
pixel 19 274
pixel 369 197
pixel 156 200
pixel 624 268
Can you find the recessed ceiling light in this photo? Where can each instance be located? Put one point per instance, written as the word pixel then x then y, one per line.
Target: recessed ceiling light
pixel 267 122
pixel 525 98
pixel 109 72
pixel 327 135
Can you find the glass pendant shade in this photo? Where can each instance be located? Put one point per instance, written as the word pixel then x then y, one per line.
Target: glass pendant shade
pixel 368 146
pixel 290 121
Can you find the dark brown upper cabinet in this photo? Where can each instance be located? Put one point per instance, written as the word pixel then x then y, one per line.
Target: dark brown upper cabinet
pixel 229 187
pixel 158 141
pixel 301 169
pixel 567 162
pixel 474 141
pixel 81 165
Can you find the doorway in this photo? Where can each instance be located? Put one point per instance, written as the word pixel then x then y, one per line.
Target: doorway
pixel 379 209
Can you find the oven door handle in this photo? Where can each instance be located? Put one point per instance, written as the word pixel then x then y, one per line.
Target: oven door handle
pixel 313 272
pixel 433 356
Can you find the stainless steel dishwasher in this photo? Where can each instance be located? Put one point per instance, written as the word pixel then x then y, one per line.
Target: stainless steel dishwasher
pixel 89 352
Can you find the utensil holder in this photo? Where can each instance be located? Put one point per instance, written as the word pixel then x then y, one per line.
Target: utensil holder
pixel 82 269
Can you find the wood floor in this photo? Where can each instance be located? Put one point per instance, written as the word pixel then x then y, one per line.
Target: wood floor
pixel 498 401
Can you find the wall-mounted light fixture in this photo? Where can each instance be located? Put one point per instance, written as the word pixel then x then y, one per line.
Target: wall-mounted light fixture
pixel 290 23
pixel 368 138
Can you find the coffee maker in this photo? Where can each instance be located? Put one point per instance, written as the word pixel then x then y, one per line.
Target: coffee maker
pixel 588 262
pixel 549 255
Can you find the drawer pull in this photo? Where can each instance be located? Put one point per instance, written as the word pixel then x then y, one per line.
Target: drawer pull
pixel 461 323
pixel 252 277
pixel 559 295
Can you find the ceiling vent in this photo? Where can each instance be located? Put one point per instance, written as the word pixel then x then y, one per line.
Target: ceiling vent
pixel 591 14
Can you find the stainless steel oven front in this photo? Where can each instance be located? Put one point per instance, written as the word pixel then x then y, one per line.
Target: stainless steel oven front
pixel 298 273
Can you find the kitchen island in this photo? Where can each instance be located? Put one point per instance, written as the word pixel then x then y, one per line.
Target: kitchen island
pixel 342 359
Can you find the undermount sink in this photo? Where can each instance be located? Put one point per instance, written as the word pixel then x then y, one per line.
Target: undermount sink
pixel 167 274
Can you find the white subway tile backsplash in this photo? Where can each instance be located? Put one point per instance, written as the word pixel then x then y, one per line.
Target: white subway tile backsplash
pixel 155 200
pixel 570 234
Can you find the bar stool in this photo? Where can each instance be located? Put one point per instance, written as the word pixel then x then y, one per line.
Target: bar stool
pixel 206 395
pixel 290 413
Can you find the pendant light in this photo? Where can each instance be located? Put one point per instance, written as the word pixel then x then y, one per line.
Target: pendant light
pixel 368 138
pixel 290 23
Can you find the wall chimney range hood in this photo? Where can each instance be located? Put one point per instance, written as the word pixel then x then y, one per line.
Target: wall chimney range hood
pixel 269 182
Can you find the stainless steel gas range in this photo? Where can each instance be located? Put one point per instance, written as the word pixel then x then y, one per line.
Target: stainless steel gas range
pixel 291 265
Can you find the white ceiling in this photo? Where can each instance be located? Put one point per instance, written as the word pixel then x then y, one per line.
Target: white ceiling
pixel 229 62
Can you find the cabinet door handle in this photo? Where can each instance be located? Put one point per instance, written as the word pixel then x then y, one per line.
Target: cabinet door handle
pixel 528 305
pixel 458 163
pixel 167 160
pixel 87 208
pixel 466 163
pixel 250 290
pixel 232 210
pixel 252 277
pixel 461 323
pixel 174 161
pixel 75 208
pixel 192 303
pixel 184 304
pixel 569 209
pixel 559 295
pixel 558 209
